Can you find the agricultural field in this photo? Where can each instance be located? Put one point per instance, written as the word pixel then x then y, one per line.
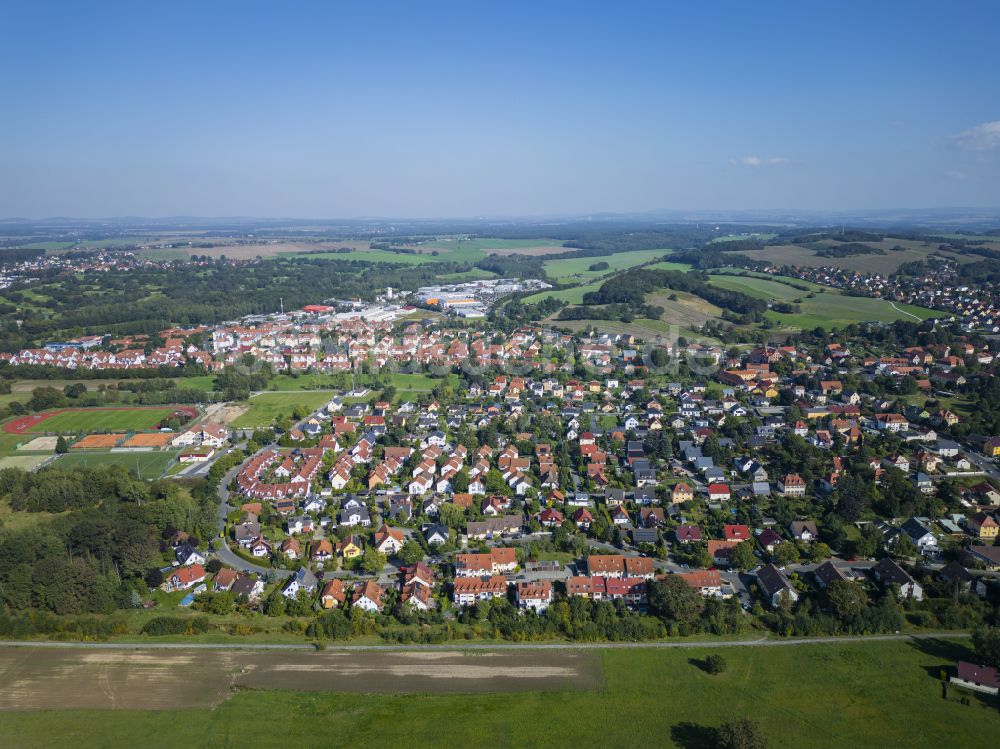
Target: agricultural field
pixel 149 465
pixel 264 408
pixel 576 269
pixel 789 254
pixel 863 695
pixel 827 307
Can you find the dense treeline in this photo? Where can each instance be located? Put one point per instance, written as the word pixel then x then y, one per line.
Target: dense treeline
pixel 514 266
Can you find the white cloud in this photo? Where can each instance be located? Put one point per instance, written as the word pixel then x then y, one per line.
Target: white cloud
pixel 756 161
pixel 985 137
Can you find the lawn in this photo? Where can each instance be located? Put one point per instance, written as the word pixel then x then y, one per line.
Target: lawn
pixel 827 307
pixel 420 383
pixel 266 407
pixel 104 420
pixel 576 269
pixel 876 695
pixel 149 465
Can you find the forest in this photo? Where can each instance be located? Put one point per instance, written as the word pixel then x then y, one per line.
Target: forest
pixel 94 555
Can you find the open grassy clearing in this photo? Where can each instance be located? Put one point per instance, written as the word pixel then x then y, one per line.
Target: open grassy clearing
pixel 686 310
pixel 467 275
pixel 874 695
pixel 573 295
pixel 576 269
pixel 149 465
pixel 789 254
pixel 12 520
pixel 642 327
pixel 264 408
pixel 667 265
pixel 827 307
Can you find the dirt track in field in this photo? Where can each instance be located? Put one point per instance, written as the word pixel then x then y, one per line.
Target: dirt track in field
pixel 81 678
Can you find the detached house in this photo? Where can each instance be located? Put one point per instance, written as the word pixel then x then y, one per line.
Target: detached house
pixel 775 585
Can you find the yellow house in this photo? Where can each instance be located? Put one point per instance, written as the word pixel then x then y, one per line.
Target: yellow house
pixel 993 447
pixel 984 527
pixel 350 548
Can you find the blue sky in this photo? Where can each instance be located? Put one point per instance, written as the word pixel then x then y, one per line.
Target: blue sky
pixel 474 109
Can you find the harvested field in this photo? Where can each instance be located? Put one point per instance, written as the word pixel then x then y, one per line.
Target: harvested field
pixel 153 439
pixel 24 462
pixel 425 672
pixel 38 679
pixel 80 678
pixel 98 442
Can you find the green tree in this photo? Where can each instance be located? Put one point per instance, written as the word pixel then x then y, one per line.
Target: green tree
pixel 46 397
pixel 411 553
pixel 742 557
pixel 715 664
pixel 847 600
pixel 373 561
pixel 743 733
pixel 986 641
pixel 674 600
pixel 62 446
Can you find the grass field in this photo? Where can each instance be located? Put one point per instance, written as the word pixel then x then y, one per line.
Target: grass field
pixel 763 236
pixel 877 695
pixel 573 295
pixel 575 269
pixel 104 420
pixel 263 409
pixel 642 327
pixel 828 307
pixel 667 265
pixel 150 465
